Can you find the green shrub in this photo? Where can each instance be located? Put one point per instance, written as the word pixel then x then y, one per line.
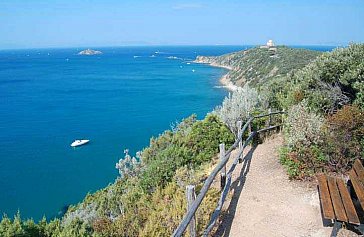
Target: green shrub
pixel 239 106
pixel 359 87
pixel 168 206
pixel 344 139
pixel 302 128
pixel 23 228
pixel 331 81
pixel 291 163
pixel 334 148
pixel 189 145
pixel 9 228
pixel 303 162
pixel 205 137
pixel 161 170
pixel 304 134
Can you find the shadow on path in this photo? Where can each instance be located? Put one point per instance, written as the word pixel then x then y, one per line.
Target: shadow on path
pixel 238 185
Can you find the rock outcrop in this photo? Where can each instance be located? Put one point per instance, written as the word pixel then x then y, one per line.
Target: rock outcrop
pixel 89 52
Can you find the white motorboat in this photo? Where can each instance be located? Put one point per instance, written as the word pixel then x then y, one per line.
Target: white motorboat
pixel 79 143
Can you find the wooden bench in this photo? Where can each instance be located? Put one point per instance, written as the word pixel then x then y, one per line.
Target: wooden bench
pixel 341 203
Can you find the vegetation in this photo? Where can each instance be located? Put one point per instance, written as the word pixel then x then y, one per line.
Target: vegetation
pixel 323 131
pixel 303 130
pixel 257 66
pixel 240 106
pixel 344 138
pixel 323 94
pixel 328 83
pixel 324 126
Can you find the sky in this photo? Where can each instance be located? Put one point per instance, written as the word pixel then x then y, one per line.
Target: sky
pixel 81 23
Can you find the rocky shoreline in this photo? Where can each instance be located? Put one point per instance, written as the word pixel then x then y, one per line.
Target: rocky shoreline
pixel 224 80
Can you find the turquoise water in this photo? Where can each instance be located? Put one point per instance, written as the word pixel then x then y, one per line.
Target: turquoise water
pixel 49 97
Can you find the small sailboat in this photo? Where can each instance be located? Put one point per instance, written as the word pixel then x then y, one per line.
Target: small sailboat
pixel 79 143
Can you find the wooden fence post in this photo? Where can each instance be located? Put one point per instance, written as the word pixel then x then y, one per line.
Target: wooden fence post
pixel 223 170
pixel 191 196
pixel 270 117
pixel 239 124
pixel 282 118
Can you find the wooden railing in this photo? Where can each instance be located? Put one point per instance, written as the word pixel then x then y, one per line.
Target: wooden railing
pixel 225 178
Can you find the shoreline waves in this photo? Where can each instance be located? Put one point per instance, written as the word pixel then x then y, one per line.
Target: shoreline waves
pixel 224 80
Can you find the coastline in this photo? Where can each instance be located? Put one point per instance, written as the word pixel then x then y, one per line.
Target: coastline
pixel 224 80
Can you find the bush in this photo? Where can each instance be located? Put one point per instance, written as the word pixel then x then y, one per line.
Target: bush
pixel 314 145
pixel 205 137
pixel 189 145
pixel 19 227
pixel 10 228
pixel 290 161
pixel 304 134
pixel 344 138
pixel 359 87
pixel 239 106
pixel 328 83
pixel 128 166
pixel 303 127
pixel 161 170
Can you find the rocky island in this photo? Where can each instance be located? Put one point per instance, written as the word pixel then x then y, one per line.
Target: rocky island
pixel 89 52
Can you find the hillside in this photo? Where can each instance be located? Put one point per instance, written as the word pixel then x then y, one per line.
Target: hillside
pixel 257 65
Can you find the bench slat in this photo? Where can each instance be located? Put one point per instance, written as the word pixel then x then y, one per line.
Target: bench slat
pixel 359 169
pixel 348 203
pixel 352 174
pixel 359 189
pixel 327 207
pixel 336 200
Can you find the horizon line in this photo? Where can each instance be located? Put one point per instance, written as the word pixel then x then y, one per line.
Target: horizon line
pixel 168 45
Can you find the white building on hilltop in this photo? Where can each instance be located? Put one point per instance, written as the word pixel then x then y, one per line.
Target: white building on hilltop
pixel 269 44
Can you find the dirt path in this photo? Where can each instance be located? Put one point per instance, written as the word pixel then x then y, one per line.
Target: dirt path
pixel 265 203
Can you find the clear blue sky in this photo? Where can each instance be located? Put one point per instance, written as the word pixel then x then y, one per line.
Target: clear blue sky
pixel 33 24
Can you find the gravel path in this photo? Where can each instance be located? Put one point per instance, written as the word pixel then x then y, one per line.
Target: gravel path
pixel 266 203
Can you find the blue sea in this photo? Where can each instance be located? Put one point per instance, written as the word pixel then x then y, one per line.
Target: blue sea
pixel 118 100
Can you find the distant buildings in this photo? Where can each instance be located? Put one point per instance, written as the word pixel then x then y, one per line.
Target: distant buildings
pixel 269 44
pixel 271 47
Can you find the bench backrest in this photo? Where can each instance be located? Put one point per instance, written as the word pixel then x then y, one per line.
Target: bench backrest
pixel 357 179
